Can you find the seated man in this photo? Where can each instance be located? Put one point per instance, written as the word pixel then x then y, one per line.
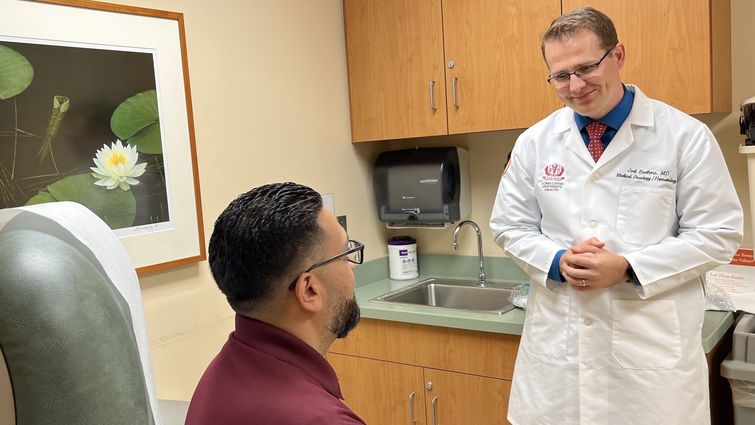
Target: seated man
pixel 287 268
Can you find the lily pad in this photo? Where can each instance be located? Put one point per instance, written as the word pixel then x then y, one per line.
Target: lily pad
pixel 40 198
pixel 115 207
pixel 147 140
pixel 137 122
pixel 16 73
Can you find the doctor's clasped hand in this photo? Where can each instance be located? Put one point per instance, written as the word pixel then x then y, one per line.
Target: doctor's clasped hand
pixel 588 265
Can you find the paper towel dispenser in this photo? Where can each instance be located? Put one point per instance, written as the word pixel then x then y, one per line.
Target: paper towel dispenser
pixel 422 187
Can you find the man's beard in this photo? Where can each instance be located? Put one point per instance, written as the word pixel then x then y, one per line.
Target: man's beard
pixel 345 319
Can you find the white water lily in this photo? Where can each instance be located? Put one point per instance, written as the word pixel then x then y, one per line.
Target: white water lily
pixel 117 167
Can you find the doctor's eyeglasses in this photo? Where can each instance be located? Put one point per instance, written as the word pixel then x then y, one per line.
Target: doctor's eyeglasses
pixel 563 79
pixel 354 253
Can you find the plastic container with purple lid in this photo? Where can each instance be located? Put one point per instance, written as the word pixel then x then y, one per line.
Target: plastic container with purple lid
pixel 402 258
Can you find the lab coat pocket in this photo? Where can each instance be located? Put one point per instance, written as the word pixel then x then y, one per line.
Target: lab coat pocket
pixel 645 334
pixel 549 323
pixel 643 213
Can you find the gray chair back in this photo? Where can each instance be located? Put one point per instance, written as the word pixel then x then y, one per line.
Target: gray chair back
pixel 66 332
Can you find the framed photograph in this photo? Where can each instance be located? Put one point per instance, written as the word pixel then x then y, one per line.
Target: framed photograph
pixel 95 108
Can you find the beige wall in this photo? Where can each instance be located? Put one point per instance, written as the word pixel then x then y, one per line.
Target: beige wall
pixel 271 104
pixel 268 81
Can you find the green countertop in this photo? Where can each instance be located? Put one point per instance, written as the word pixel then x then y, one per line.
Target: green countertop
pixel 372 281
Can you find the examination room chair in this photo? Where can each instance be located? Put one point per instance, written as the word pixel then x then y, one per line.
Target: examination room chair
pixel 72 331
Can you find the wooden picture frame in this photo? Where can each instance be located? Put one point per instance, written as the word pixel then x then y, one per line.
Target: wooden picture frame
pixel 172 237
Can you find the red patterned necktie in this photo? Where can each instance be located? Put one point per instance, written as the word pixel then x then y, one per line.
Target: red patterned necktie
pixel 595 131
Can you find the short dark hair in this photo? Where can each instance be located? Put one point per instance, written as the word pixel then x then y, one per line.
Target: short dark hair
pixel 585 18
pixel 261 241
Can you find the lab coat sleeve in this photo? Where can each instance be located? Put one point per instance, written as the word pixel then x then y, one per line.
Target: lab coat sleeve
pixel 515 219
pixel 709 216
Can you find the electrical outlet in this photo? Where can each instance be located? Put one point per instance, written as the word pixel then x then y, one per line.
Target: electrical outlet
pixel 342 221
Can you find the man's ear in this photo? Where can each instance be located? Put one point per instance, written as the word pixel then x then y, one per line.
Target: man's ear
pixel 621 55
pixel 309 292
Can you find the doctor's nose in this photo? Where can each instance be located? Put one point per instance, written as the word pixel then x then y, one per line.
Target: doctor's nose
pixel 576 83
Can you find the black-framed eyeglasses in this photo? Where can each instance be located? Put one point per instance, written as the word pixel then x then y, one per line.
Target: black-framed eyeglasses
pixel 563 78
pixel 354 253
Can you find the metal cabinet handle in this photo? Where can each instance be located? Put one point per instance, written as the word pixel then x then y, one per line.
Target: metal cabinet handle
pixel 432 97
pixel 412 417
pixel 453 92
pixel 435 410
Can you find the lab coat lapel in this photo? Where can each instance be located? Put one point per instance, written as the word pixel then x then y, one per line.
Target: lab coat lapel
pixel 620 142
pixel 574 141
pixel 641 115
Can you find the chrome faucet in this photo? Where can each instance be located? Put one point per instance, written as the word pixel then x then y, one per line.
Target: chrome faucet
pixel 455 246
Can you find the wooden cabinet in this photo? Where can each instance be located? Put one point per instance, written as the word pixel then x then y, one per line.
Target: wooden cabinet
pixel 381 392
pixel 678 52
pixel 499 74
pixel 458 398
pixel 455 376
pixel 395 63
pixel 387 393
pixel 432 67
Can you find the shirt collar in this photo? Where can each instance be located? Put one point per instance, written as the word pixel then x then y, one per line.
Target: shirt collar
pixel 286 347
pixel 616 117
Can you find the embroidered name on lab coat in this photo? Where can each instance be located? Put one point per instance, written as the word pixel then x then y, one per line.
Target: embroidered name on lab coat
pixel 647 175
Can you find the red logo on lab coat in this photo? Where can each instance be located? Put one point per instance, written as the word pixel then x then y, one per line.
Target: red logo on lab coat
pixel 554 171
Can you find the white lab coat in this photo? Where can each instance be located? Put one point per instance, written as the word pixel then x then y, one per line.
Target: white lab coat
pixel 662 197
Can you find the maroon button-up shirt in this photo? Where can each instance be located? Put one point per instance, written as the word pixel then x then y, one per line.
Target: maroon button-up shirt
pixel 266 376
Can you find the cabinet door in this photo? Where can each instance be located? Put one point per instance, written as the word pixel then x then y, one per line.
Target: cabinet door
pixel 379 392
pixel 677 51
pixel 498 73
pixel 459 399
pixel 394 50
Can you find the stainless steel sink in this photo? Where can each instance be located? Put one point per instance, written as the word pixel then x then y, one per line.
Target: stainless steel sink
pixel 454 294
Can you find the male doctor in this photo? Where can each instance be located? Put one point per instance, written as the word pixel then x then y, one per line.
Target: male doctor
pixel 615 205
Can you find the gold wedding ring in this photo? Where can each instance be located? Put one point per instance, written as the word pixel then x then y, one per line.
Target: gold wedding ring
pixel 584 283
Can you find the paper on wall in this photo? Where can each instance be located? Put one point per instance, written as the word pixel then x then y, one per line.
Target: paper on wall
pixel 730 287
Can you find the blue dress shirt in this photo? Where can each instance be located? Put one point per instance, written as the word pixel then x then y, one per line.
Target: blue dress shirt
pixel 613 120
